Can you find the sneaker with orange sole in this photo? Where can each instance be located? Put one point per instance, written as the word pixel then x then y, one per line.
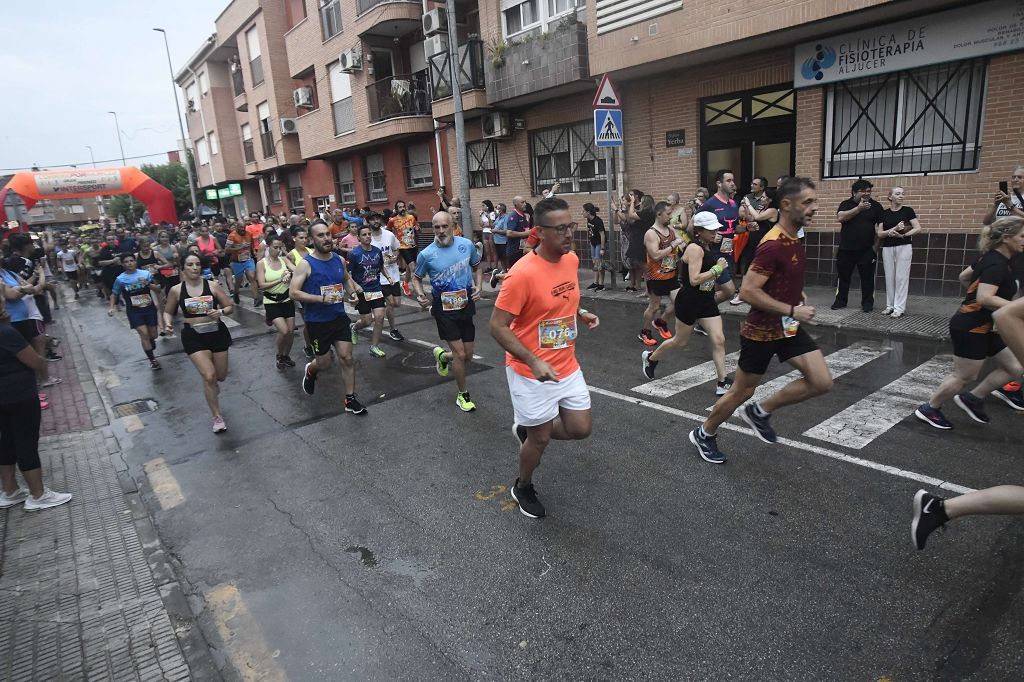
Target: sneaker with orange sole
pixel 662 327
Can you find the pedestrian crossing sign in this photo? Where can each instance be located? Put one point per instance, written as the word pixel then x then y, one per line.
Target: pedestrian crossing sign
pixel 608 127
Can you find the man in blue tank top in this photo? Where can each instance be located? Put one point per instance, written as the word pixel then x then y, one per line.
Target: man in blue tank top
pixel 320 282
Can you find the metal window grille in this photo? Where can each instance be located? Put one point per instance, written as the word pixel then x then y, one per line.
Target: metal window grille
pixel 483 164
pixel 346 185
pixel 330 18
pixel 274 189
pixel 920 121
pixel 567 155
pixel 376 185
pixel 344 116
pixel 256 65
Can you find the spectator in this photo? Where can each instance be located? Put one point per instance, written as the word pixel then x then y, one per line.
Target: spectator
pixel 860 216
pixel 638 211
pixel 487 218
pixel 598 240
pixel 1011 203
pixel 899 224
pixel 750 209
pixel 500 234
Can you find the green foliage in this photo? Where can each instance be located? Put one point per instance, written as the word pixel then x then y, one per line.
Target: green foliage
pixel 173 176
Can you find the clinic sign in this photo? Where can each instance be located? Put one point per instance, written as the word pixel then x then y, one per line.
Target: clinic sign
pixel 963 33
pixel 79 182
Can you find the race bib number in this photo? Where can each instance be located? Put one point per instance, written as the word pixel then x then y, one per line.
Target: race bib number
pixel 726 245
pixel 333 293
pixel 199 305
pixel 557 333
pixel 409 238
pixel 372 295
pixel 668 264
pixel 454 300
pixel 707 286
pixel 390 257
pixel 790 326
pixel 141 300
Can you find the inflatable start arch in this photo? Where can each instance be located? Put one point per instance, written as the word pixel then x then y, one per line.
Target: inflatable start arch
pixel 32 186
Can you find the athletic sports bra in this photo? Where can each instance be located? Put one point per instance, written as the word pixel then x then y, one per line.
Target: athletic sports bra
pixel 142 262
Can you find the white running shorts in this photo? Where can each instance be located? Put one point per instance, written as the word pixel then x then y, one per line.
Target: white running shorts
pixel 537 402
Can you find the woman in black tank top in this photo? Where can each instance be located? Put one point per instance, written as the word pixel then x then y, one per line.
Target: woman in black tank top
pixel 695 301
pixel 204 336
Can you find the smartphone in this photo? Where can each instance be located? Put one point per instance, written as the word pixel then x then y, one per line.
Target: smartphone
pixel 1004 187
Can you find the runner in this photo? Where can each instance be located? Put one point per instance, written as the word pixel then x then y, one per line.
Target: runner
pixel 272 276
pixel 135 287
pixel 204 335
pixel 456 281
pixel 991 284
pixel 723 205
pixel 319 282
pixel 67 255
pixel 242 249
pixel 403 224
pixel 387 242
pixel 661 244
pixel 696 300
pixel 110 264
pixel 366 263
pixel 300 249
pixel 774 289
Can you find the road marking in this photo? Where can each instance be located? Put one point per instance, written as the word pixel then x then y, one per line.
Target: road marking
pixel 806 447
pixel 684 380
pixel 243 638
pixel 165 486
pixel 870 417
pixel 843 361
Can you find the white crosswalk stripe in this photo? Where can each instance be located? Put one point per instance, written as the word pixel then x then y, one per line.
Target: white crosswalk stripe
pixel 684 380
pixel 869 418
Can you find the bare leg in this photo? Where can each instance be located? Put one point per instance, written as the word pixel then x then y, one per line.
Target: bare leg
pixel 33 477
pixel 348 367
pixel 653 305
pixel 725 292
pixel 569 425
pixel 378 325
pixel 678 340
pixel 816 380
pixel 203 360
pixel 713 326
pixel 1010 319
pixel 459 356
pixel 1002 499
pixel 964 372
pixel 1009 370
pixel 742 390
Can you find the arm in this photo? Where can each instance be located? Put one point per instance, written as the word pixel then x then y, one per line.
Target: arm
pixel 844 216
pixel 31 359
pixel 754 294
pixel 915 227
pixel 171 306
pixel 500 322
pixel 295 291
pixel 226 307
pixel 261 276
pixel 693 256
pixel 966 276
pixel 988 297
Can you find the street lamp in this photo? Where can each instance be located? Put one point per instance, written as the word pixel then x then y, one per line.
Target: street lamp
pixel 101 198
pixel 124 162
pixel 91 155
pixel 181 127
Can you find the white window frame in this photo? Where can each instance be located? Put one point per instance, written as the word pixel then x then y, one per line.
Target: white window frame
pixel 252 43
pixel 191 95
pixel 326 6
pixel 202 152
pixel 425 182
pixel 544 17
pixel 214 145
pixel 204 83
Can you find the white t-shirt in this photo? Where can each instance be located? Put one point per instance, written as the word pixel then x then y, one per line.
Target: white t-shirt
pixel 67 260
pixel 387 242
pixel 1002 211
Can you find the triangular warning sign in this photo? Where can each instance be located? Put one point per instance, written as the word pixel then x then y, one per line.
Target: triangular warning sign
pixel 609 131
pixel 606 96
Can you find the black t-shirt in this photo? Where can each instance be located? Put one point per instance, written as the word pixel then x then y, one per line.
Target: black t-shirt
pixel 1017 265
pixel 992 268
pixel 114 269
pixel 596 227
pixel 762 225
pixel 636 231
pixel 858 233
pixel 891 219
pixel 18 380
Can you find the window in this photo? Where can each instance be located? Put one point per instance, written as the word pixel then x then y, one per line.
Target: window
pixel 214 147
pixel 556 7
pixel 418 172
pixel 295 198
pixel 921 121
pixel 346 183
pixel 330 18
pixel 274 188
pixel 520 16
pixel 376 187
pixel 483 164
pixel 266 135
pixel 567 156
pixel 341 99
pixel 247 150
pixel 202 151
pixel 204 83
pixel 191 97
pixel 252 41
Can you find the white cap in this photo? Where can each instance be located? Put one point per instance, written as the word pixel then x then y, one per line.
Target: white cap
pixel 706 220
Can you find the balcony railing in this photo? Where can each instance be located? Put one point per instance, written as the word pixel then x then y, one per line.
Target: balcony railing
pixel 367 5
pixel 248 152
pixel 267 139
pixel 237 82
pixel 401 95
pixel 471 69
pixel 256 65
pixel 344 116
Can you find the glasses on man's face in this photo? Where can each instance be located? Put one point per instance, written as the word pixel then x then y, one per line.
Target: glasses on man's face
pixel 561 229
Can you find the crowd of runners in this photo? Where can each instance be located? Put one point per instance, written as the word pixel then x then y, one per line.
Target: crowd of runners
pixel 691 257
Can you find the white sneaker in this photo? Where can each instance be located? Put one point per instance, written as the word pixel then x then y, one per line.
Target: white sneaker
pixel 735 300
pixel 887 311
pixel 48 499
pixel 17 497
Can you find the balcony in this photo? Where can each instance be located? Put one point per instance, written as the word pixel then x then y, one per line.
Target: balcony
pixel 401 95
pixel 471 69
pixel 391 18
pixel 539 63
pixel 267 140
pixel 248 152
pixel 237 82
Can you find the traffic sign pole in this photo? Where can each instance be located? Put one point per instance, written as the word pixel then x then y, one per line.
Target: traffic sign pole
pixel 608 134
pixel 612 241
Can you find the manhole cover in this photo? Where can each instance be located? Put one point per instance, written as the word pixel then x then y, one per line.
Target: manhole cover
pixel 135 407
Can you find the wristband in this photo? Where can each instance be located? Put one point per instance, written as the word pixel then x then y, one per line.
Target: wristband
pixel 582 311
pixel 716 269
pixel 792 309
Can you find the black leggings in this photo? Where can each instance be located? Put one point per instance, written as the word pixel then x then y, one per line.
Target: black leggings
pixel 19 434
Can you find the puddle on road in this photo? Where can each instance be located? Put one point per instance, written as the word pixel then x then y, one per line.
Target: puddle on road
pixel 366 555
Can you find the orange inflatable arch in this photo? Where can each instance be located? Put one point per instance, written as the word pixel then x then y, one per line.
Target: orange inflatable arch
pixel 32 186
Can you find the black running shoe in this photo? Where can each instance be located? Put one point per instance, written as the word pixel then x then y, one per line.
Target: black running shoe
pixel 287 360
pixel 929 514
pixel 648 365
pixel 353 405
pixel 520 432
pixel 974 407
pixel 235 298
pixel 1014 399
pixel 526 497
pixel 494 278
pixel 308 352
pixel 280 362
pixel 707 447
pixel 308 380
pixel 396 335
pixel 762 428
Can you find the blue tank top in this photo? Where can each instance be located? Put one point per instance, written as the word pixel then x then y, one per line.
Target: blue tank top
pixel 325 277
pixel 17 309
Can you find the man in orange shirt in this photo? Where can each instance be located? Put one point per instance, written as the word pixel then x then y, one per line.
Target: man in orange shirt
pixel 242 248
pixel 339 226
pixel 534 320
pixel 403 224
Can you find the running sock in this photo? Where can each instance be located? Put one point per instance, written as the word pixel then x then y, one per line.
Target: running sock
pixel 149 354
pixel 760 411
pixel 705 434
pixel 349 396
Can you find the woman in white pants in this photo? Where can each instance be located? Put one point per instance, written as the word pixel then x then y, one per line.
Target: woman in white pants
pixel 899 224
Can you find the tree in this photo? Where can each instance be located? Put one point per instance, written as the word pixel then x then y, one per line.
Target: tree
pixel 172 176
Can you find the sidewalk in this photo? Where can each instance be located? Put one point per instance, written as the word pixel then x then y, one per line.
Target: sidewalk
pixel 78 598
pixel 927 316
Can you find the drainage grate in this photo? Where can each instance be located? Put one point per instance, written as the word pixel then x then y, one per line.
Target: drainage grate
pixel 135 407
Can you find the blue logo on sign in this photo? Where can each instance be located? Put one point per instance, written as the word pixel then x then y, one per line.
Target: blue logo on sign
pixel 824 57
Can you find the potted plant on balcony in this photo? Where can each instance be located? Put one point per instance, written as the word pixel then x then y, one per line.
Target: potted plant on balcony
pixel 497 50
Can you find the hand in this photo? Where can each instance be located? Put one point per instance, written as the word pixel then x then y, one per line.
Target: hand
pixel 422 300
pixel 864 204
pixel 543 371
pixel 803 313
pixel 477 293
pixel 216 313
pixel 590 319
pixel 722 263
pixel 1002 198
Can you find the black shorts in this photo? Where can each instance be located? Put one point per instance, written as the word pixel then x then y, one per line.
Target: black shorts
pixel 457 326
pixel 142 317
pixel 971 346
pixel 273 310
pixel 323 335
pixel 691 306
pixel 755 356
pixel 409 255
pixel 29 329
pixel 392 290
pixel 215 342
pixel 502 251
pixel 364 307
pixel 662 287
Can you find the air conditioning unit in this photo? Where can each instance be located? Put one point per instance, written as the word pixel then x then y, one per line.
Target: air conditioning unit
pixel 435 45
pixel 288 126
pixel 192 105
pixel 495 125
pixel 435 21
pixel 351 60
pixel 303 97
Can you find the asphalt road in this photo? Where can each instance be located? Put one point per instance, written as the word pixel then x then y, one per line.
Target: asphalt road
pixel 321 546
